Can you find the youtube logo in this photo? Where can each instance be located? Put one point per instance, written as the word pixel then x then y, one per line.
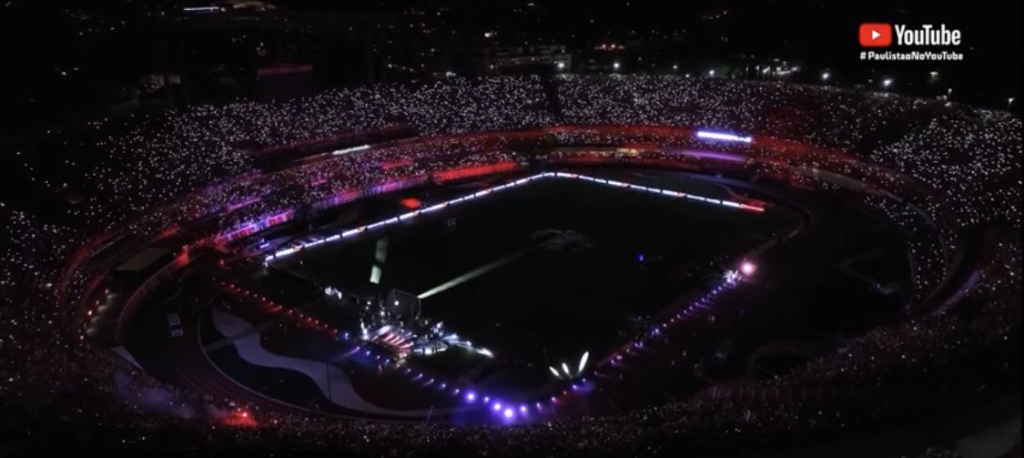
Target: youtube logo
pixel 875 35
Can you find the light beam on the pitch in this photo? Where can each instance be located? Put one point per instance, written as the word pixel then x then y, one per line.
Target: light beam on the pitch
pixel 554 372
pixel 583 363
pixel 380 255
pixel 473 274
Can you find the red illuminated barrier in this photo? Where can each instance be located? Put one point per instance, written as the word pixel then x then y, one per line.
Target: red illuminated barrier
pixel 584 160
pixel 610 159
pixel 468 172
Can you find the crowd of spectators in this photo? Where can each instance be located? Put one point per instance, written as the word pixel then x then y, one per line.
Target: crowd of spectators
pixel 958 166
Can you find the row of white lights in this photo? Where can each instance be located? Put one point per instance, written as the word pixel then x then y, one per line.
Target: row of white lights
pixel 723 136
pixel 352 149
pixel 433 208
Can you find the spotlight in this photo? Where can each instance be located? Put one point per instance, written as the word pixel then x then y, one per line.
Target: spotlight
pixel 747 268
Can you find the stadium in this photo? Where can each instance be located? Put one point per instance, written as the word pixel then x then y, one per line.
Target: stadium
pixel 601 265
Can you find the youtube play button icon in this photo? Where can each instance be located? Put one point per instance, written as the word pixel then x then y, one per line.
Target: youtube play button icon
pixel 875 34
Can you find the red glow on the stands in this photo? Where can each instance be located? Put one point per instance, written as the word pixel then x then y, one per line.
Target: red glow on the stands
pixel 240 418
pixel 168 231
pixel 472 171
pixel 396 164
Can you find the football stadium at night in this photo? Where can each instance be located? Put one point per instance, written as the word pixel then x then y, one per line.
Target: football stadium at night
pixel 557 263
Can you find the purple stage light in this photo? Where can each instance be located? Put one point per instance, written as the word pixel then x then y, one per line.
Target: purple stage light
pixel 509 413
pixel 496 406
pixel 471 397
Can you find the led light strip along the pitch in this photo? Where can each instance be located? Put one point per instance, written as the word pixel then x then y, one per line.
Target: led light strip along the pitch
pixel 433 208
